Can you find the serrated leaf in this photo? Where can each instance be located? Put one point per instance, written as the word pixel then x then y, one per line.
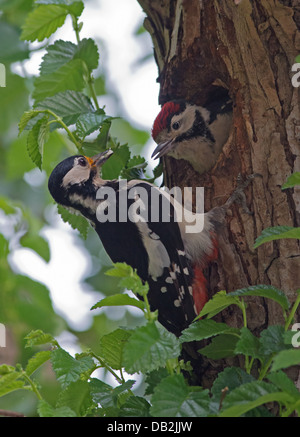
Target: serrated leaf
pixel 62 52
pixel 149 348
pixel 36 139
pixel 67 368
pixel 69 77
pixel 38 337
pixel 68 105
pixel 74 7
pixel 277 233
pixel 285 359
pixel 272 340
pixel 203 329
pixel 248 344
pixel 119 300
pixel 218 303
pixel 10 382
pixel 76 221
pixel 36 361
pixel 26 117
pixel 229 379
pixel 112 346
pixel 284 383
pixel 77 397
pixel 46 410
pixel 130 279
pixel 135 406
pixel 42 22
pixel 222 346
pixel 90 122
pixel 251 395
pixel 267 291
pixel 173 398
pixel 113 167
pixel 292 181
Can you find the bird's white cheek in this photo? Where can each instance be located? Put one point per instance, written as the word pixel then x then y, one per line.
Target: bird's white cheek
pixel 76 175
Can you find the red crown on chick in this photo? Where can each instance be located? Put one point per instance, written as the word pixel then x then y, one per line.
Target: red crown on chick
pixel 162 120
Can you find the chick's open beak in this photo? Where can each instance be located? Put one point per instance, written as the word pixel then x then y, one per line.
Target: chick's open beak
pixel 101 158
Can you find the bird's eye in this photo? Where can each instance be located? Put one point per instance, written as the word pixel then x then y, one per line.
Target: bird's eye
pixel 176 125
pixel 82 162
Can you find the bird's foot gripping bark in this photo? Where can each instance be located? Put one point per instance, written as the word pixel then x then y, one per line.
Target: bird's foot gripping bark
pixel 238 196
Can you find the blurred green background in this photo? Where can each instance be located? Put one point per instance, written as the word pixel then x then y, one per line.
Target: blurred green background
pixel 50 276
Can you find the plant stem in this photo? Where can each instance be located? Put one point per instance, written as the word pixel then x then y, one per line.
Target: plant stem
pixel 32 385
pixel 109 369
pixel 293 311
pixel 265 369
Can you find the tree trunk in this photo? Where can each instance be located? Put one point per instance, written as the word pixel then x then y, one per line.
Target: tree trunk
pixel 249 47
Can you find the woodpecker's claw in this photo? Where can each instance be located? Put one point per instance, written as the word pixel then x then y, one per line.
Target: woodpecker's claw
pixel 163 148
pixel 238 196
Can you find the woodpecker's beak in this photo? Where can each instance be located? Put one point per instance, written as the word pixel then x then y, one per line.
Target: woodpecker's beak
pixel 101 158
pixel 163 148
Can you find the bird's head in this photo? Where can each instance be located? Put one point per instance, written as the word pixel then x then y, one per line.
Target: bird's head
pixel 178 121
pixel 75 179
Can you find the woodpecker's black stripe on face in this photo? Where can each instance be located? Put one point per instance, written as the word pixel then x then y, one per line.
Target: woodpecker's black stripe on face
pixel 199 129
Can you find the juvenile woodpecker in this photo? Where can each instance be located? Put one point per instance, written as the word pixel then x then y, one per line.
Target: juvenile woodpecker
pixel 132 230
pixel 194 133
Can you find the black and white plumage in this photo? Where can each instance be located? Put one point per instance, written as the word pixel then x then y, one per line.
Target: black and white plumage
pixel 194 133
pixel 153 247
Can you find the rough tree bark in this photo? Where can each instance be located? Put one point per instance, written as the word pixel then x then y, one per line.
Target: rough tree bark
pixel 247 46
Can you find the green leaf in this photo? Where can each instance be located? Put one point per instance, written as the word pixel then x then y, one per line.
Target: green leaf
pixel 149 348
pixel 62 52
pixel 203 329
pixel 173 398
pixel 42 22
pixel 76 221
pixel 272 340
pixel 218 303
pixel 130 279
pixel 113 167
pixel 38 337
pixel 69 369
pixel 153 378
pixel 267 291
pixel 90 122
pixel 251 395
pixel 74 7
pixel 230 378
pixel 135 406
pixel 119 300
pixel 286 358
pixel 38 244
pixel 9 382
pixel 68 105
pixel 26 117
pixel 220 347
pixel 248 344
pixel 46 410
pixel 69 77
pixel 277 233
pixel 284 383
pixel 77 397
pixel 36 140
pixel 36 361
pixel 292 180
pixel 112 346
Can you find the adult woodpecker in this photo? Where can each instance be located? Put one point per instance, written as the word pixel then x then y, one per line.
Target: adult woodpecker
pixel 194 133
pixel 170 259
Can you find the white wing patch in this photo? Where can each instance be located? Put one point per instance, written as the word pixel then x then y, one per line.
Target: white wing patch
pixel 158 255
